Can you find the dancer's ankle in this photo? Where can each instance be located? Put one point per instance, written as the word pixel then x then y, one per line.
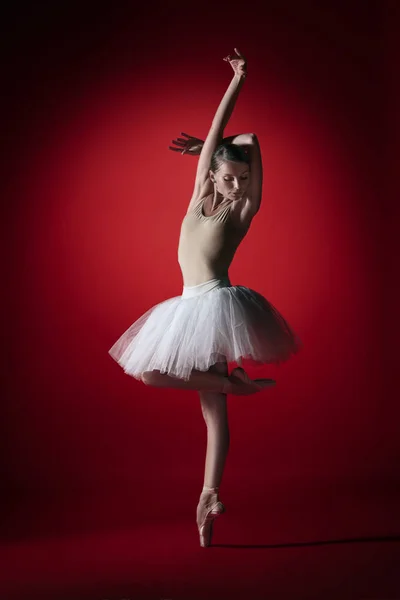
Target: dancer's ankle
pixel 208 489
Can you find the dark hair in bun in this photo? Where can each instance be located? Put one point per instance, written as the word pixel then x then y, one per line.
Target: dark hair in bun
pixel 225 152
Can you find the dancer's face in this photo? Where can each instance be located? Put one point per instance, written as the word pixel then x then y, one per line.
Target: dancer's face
pixel 231 179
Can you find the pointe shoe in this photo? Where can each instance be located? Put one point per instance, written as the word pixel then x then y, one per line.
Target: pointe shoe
pixel 242 384
pixel 207 512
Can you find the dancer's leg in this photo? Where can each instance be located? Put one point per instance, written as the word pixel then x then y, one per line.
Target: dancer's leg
pixel 214 409
pixel 199 380
pixel 210 381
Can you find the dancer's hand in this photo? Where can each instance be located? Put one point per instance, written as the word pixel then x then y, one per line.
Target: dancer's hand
pixel 191 146
pixel 238 63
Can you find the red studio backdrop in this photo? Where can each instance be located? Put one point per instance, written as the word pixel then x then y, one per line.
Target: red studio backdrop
pixel 93 201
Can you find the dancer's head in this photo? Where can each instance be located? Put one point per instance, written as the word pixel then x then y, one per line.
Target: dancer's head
pixel 230 170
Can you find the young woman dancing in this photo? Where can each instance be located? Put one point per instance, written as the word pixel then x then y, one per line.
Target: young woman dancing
pixel 187 341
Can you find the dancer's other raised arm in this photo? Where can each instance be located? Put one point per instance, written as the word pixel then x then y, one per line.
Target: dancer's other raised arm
pixel 203 184
pixel 254 192
pixel 192 145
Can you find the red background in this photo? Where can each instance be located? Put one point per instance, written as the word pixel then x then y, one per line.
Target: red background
pixel 92 203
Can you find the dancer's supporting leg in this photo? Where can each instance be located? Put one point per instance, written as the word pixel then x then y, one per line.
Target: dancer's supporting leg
pixel 214 409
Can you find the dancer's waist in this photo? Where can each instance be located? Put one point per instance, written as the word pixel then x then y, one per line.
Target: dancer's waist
pixel 206 286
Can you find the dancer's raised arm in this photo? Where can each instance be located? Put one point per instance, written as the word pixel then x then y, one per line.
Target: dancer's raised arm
pixel 191 145
pixel 219 122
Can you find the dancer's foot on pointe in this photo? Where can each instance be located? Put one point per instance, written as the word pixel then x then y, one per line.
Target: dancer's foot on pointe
pixel 240 383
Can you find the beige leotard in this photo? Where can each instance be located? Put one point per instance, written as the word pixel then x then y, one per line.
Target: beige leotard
pixel 207 245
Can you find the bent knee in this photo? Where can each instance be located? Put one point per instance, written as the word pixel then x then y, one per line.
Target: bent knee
pixel 150 377
pixel 220 367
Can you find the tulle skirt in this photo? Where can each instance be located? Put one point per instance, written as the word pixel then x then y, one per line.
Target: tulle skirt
pixel 210 322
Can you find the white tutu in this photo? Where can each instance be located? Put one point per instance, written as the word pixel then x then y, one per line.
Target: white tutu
pixel 210 322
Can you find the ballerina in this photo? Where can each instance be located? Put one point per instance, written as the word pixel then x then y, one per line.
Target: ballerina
pixel 187 341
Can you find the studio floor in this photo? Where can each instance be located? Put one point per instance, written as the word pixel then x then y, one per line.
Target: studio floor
pixel 142 544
